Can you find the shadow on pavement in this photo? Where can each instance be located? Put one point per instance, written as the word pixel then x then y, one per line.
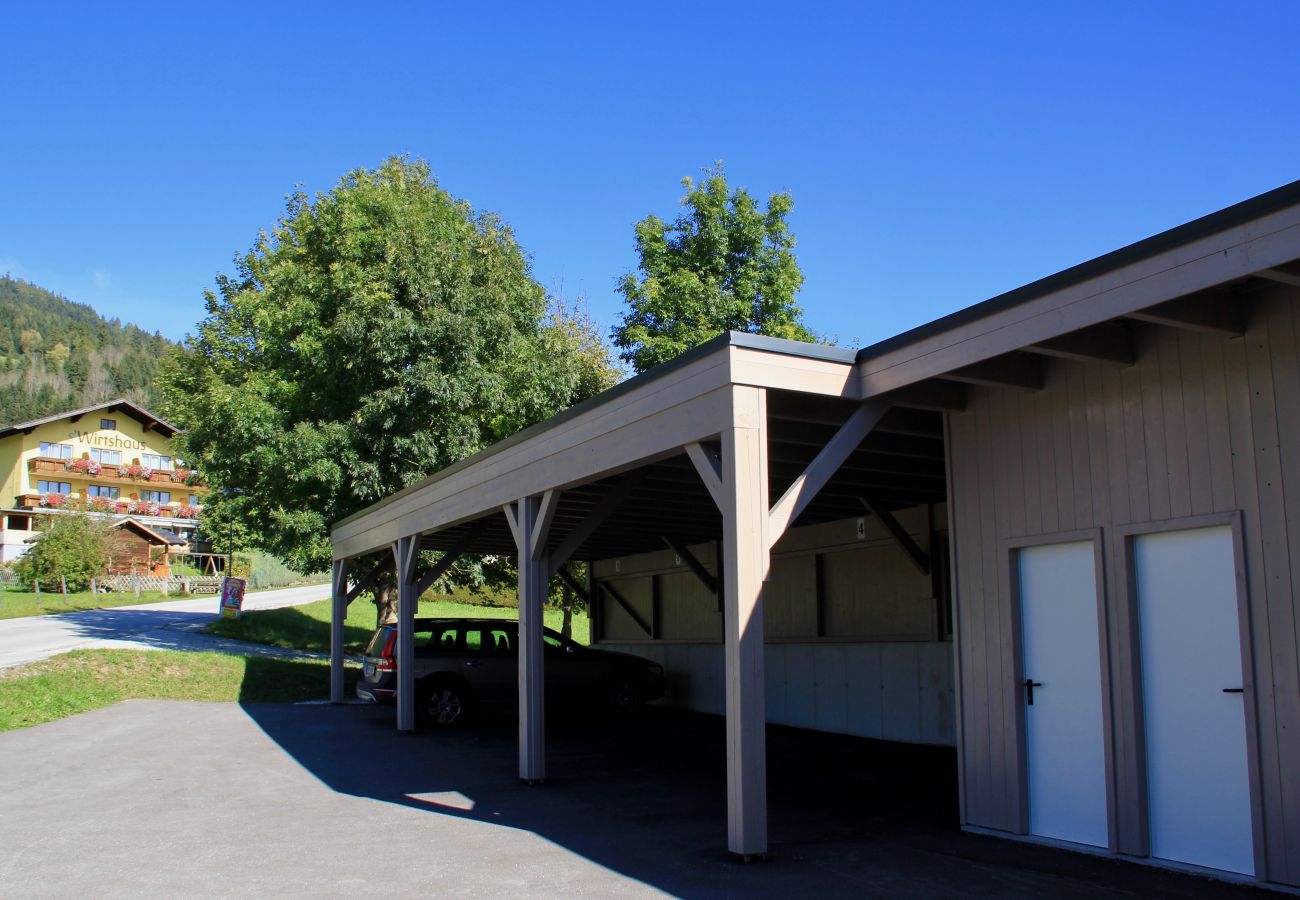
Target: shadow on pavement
pixel 646 797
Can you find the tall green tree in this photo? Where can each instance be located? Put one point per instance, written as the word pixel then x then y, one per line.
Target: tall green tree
pixel 725 264
pixel 377 334
pixel 74 547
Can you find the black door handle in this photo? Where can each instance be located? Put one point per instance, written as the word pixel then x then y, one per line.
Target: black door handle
pixel 1030 684
pixel 1234 690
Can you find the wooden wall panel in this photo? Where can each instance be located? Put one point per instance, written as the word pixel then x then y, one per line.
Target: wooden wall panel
pixel 790 599
pixel 1200 424
pixel 887 691
pixel 686 608
pixel 873 592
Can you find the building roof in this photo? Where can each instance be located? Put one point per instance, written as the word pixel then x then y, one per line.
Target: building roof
pixel 161 535
pixel 1230 217
pixel 120 405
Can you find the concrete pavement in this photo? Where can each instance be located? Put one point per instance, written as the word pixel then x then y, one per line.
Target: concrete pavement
pixel 170 799
pixel 171 625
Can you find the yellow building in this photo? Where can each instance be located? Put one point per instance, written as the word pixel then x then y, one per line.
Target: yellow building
pixel 112 459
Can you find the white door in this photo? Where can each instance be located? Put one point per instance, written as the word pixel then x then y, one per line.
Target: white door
pixel 1198 786
pixel 1065 741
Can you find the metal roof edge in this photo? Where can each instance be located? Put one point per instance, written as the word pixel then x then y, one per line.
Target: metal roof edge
pixel 1239 213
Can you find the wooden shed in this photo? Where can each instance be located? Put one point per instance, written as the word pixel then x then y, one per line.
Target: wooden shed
pixel 1055 529
pixel 142 549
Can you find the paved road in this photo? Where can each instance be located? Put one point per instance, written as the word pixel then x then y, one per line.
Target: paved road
pixel 173 625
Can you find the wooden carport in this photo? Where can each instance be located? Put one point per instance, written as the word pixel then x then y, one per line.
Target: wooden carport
pixel 694 451
pixel 743 436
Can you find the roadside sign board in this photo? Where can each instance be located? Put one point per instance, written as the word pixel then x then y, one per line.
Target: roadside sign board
pixel 232 597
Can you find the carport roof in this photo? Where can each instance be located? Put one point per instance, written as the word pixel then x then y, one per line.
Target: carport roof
pixel 1198 275
pixel 726 339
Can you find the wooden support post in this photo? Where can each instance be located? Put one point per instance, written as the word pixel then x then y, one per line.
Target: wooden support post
pixel 449 558
pixel 36 582
pixel 367 582
pixel 745 549
pixel 94 588
pixel 529 521
pixel 406 553
pixel 827 462
pixel 63 581
pixel 338 613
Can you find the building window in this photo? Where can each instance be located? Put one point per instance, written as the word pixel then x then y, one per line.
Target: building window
pixel 156 496
pixel 54 487
pixel 157 463
pixel 99 490
pixel 57 451
pixel 107 457
pixel 20 523
pixel 108 424
pixel 193 500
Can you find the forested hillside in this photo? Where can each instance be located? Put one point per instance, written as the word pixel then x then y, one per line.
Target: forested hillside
pixel 56 354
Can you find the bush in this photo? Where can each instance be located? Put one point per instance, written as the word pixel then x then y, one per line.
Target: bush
pixel 71 547
pixel 262 570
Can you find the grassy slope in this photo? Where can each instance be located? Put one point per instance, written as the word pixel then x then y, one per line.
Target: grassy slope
pixel 83 680
pixel 308 627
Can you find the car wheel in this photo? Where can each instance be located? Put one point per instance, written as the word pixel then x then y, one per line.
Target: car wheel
pixel 443 704
pixel 622 694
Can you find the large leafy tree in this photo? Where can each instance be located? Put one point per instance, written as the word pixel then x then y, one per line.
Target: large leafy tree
pixel 377 334
pixel 725 264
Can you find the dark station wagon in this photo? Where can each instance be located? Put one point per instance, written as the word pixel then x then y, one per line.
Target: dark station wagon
pixel 461 664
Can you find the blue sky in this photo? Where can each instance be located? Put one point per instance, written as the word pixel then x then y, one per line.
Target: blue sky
pixel 938 154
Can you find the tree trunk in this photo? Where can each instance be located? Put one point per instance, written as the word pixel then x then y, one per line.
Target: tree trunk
pixel 566 628
pixel 386 599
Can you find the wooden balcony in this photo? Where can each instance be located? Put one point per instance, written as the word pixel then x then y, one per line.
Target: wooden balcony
pixel 80 502
pixel 108 472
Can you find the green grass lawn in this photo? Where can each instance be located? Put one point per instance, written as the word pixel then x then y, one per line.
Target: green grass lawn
pixel 83 680
pixel 16 603
pixel 308 627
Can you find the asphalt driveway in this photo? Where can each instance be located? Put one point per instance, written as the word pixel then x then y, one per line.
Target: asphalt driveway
pixel 153 798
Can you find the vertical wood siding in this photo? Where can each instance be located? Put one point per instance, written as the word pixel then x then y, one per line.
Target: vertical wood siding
pixel 888 691
pixel 1201 424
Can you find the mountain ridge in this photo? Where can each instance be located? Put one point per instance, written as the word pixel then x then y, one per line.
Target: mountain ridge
pixel 58 354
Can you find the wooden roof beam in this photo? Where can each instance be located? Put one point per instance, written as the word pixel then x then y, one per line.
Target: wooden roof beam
pixel 910 547
pixel 1214 311
pixel 1288 273
pixel 934 395
pixel 1014 370
pixel 1109 344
